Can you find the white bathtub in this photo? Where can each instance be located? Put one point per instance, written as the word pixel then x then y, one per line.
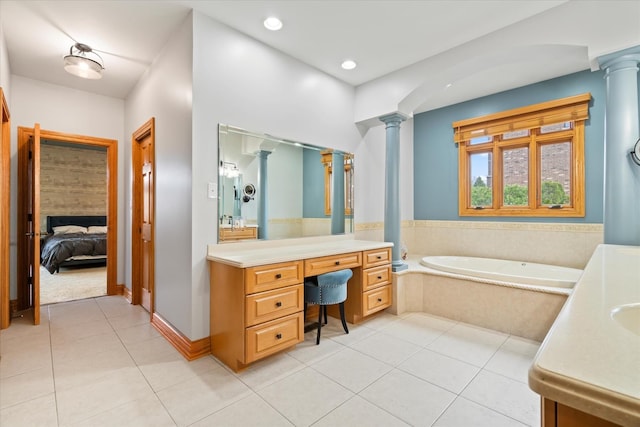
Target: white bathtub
pixel 516 272
pixel 517 298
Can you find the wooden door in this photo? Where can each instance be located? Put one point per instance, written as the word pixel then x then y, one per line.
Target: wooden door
pixel 5 202
pixel 34 234
pixel 29 221
pixel 143 216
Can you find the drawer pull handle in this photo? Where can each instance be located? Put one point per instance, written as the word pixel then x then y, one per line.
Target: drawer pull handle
pixel 337 262
pixel 278 304
pixel 379 257
pixel 278 336
pixel 379 277
pixel 379 299
pixel 278 276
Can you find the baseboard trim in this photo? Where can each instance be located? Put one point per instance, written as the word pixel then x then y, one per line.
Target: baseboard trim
pixel 124 291
pixel 191 350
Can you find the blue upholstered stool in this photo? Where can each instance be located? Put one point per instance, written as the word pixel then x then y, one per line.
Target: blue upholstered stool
pixel 327 289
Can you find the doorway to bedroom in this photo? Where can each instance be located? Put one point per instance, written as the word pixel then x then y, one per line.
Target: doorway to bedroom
pixel 34 228
pixel 73 185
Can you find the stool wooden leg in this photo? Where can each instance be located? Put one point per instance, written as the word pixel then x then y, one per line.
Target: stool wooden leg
pixel 324 308
pixel 319 324
pixel 344 323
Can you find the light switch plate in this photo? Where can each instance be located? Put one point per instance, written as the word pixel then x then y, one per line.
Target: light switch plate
pixel 212 190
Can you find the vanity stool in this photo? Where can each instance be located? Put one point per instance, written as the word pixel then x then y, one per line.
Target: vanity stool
pixel 327 289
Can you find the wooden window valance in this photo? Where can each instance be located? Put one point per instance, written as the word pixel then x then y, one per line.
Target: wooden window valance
pixel 574 108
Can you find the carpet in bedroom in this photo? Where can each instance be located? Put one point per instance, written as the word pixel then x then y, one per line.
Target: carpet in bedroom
pixel 72 284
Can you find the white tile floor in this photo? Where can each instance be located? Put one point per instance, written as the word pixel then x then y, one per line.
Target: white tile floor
pixel 99 362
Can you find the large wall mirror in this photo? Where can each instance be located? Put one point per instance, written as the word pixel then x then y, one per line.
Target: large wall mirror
pixel 274 188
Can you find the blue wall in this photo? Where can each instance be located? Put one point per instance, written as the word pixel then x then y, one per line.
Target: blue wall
pixel 436 156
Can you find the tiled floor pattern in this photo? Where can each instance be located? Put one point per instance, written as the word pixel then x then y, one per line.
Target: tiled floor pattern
pixel 98 362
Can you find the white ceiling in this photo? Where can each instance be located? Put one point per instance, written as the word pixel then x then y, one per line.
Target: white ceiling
pixel 382 36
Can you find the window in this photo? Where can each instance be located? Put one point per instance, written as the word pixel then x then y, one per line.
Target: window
pixel 327 159
pixel 524 162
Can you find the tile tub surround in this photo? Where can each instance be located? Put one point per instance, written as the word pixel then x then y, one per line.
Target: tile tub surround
pixel 565 244
pixel 520 312
pixel 588 361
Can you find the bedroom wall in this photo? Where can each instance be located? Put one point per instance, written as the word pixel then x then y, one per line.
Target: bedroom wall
pixel 73 180
pixel 65 110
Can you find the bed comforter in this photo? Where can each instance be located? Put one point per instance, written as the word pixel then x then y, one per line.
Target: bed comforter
pixel 56 249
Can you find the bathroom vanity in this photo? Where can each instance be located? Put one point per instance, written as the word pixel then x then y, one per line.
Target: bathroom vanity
pixel 588 367
pixel 257 290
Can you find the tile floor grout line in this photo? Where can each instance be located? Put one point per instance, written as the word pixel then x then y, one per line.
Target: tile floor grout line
pixel 135 362
pixel 53 371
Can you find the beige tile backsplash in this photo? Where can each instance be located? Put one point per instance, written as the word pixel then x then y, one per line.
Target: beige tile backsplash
pixel 568 245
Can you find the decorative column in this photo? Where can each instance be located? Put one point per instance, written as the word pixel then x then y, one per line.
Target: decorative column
pixel 337 194
pixel 263 197
pixel 621 174
pixel 392 188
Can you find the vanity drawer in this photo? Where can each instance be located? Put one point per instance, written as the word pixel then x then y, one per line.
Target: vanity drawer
pixel 376 257
pixel 375 277
pixel 315 266
pixel 271 337
pixel 376 300
pixel 272 276
pixel 269 305
pixel 238 233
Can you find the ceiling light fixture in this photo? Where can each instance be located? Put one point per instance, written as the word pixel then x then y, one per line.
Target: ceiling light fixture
pixel 272 23
pixel 349 64
pixel 83 62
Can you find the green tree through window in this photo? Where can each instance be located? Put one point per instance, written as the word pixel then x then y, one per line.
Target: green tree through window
pixel 553 194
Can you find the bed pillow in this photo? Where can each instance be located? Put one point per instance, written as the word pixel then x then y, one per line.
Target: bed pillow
pixel 67 229
pixel 97 229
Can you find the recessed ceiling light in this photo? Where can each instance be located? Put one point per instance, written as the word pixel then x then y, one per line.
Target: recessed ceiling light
pixel 272 23
pixel 349 64
pixel 448 85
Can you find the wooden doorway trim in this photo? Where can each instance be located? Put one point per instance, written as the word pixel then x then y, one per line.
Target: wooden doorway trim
pixel 144 132
pixel 5 212
pixel 111 146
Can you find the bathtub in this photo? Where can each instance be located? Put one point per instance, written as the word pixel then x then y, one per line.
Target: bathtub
pixel 506 296
pixel 516 272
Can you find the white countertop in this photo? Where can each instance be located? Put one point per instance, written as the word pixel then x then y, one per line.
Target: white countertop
pixel 588 360
pixel 252 254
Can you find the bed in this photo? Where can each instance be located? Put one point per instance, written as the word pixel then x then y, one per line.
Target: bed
pixel 74 240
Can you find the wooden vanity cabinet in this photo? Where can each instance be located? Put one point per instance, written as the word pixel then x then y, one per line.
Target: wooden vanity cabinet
pixel 556 414
pixel 255 311
pixel 369 289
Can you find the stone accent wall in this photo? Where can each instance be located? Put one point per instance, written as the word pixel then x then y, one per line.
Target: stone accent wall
pixel 73 180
